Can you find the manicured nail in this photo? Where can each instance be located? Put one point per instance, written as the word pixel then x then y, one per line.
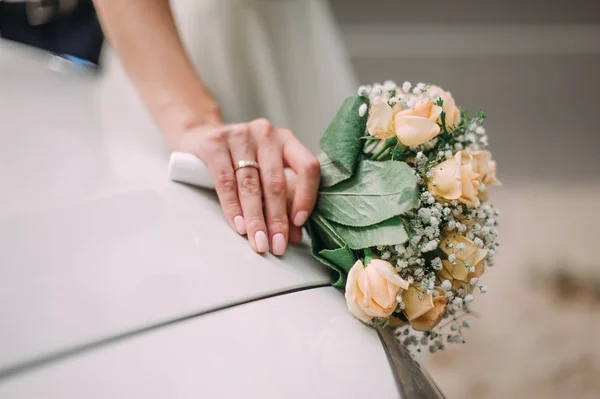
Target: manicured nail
pixel 279 244
pixel 301 218
pixel 262 243
pixel 240 225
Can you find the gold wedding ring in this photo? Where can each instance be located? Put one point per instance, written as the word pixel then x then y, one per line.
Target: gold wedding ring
pixel 246 164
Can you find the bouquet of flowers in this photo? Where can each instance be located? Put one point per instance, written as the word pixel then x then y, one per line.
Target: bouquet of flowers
pixel 402 213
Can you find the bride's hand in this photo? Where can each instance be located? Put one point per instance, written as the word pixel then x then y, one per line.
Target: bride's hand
pixel 253 200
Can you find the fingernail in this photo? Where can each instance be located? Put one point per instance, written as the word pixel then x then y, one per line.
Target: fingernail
pixel 262 243
pixel 279 244
pixel 301 218
pixel 240 225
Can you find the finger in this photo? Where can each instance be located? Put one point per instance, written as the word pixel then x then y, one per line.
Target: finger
pixel 295 234
pixel 243 148
pixel 274 187
pixel 308 172
pixel 218 159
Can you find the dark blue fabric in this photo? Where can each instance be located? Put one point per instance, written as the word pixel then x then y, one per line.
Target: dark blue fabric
pixel 77 34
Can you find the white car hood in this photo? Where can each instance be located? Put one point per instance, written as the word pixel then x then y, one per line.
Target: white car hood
pixel 96 242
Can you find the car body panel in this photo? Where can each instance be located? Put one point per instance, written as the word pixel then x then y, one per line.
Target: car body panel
pixel 299 345
pixel 95 239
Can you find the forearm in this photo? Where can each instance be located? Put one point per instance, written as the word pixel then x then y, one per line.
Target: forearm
pixel 145 37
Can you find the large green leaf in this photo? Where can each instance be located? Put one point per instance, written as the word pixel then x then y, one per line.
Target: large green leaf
pixel 388 232
pixel 341 141
pixel 376 192
pixel 331 174
pixel 329 249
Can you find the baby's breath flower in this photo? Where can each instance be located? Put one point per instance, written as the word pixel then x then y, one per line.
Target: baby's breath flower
pixel 446 285
pixel 474 281
pixel 468 298
pixel 483 289
pixel 362 110
pixel 436 263
pixel 406 86
pixel 458 302
pixel 364 90
pixel 389 85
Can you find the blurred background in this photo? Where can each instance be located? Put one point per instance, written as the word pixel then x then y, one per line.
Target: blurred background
pixel 532 66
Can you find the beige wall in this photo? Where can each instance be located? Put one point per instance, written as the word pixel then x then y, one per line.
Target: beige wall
pixel 531 65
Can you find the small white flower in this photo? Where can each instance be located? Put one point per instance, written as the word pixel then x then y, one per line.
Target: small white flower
pixel 436 264
pixel 448 154
pixel 460 246
pixel 389 85
pixel 362 110
pixel 446 285
pixel 483 289
pixel 364 90
pixel 458 302
pixel 468 298
pixel 480 130
pixel 406 87
pixel 452 258
pixel 472 269
pixel 474 281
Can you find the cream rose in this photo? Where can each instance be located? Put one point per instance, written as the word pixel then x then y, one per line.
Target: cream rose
pixel 455 179
pixel 423 314
pixel 419 125
pixel 449 106
pixel 471 256
pixel 371 291
pixel 380 122
pixel 485 167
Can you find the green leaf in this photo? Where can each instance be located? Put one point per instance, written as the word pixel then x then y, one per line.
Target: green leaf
pixel 376 192
pixel 341 260
pixel 341 141
pixel 331 174
pixel 388 232
pixel 329 249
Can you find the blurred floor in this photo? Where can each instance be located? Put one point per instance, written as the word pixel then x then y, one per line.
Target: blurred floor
pixel 536 337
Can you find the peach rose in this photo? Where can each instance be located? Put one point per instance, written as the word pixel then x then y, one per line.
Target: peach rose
pixel 419 125
pixel 449 107
pixel 455 179
pixel 423 314
pixel 371 291
pixel 485 167
pixel 470 256
pixel 380 122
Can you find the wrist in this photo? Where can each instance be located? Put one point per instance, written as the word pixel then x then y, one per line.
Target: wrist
pixel 177 120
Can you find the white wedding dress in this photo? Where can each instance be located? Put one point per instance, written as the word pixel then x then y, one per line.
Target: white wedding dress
pixel 279 59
